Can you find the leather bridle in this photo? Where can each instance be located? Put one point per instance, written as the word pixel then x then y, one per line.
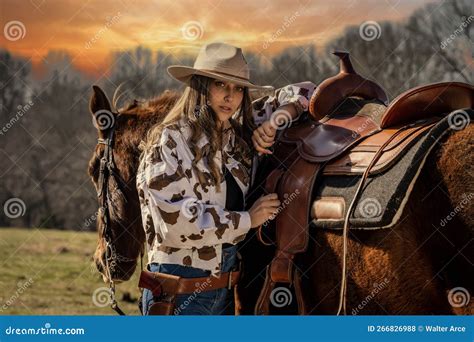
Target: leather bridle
pixel 108 169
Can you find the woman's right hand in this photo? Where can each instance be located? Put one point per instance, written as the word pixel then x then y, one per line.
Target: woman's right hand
pixel 263 209
pixel 263 137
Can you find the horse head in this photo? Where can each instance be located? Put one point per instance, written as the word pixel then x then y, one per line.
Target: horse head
pixel 113 168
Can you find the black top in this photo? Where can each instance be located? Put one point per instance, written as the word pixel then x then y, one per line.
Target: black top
pixel 234 200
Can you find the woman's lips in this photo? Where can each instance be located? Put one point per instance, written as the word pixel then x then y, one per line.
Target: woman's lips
pixel 225 109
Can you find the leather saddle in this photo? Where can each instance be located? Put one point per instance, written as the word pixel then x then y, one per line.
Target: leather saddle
pixel 351 131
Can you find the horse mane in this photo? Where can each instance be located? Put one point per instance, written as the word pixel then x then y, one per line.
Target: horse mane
pixel 134 121
pixel 136 117
pixel 160 104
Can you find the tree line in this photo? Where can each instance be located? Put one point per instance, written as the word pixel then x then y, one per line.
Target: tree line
pixel 48 137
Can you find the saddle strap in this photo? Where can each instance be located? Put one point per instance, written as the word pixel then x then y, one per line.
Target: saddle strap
pixel 292 232
pixel 295 190
pixel 262 307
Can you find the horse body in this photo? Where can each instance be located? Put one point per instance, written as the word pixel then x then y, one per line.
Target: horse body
pixel 407 269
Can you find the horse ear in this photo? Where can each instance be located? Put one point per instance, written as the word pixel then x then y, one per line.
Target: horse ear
pixel 99 101
pixel 102 116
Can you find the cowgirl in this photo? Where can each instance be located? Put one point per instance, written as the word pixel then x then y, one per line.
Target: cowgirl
pixel 194 175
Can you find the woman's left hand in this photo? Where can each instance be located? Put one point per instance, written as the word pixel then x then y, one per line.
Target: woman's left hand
pixel 264 137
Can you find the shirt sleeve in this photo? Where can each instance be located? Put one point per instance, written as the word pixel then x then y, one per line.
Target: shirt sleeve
pixel 299 94
pixel 181 218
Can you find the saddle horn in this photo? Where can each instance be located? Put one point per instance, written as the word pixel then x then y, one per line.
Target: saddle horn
pixel 332 91
pixel 345 64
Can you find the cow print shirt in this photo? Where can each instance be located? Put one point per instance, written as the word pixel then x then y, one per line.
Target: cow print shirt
pixel 185 220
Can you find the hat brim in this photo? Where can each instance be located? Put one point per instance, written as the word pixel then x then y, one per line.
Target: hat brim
pixel 184 74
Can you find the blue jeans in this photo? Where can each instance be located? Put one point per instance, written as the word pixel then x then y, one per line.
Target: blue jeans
pixel 214 302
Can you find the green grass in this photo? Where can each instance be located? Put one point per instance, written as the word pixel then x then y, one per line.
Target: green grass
pixel 50 272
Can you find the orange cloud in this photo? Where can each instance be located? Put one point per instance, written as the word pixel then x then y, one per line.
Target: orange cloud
pixel 90 31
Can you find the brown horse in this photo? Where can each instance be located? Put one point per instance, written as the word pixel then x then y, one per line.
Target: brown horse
pixel 408 269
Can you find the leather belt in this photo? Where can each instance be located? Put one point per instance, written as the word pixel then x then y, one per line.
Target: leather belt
pixel 159 283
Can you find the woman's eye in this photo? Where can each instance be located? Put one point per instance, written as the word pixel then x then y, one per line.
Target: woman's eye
pixel 219 84
pixel 240 89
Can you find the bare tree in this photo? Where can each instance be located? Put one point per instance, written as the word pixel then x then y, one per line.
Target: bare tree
pixel 447 29
pixel 14 94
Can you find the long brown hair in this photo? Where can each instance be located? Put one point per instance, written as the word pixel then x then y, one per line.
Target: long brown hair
pixel 192 106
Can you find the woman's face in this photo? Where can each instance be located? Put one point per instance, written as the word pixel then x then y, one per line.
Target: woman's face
pixel 225 98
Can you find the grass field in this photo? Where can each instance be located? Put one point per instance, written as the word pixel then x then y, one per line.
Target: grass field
pixel 50 272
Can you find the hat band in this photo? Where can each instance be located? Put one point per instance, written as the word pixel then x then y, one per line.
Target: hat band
pixel 225 74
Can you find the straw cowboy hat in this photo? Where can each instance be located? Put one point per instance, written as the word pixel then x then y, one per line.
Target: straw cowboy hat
pixel 220 61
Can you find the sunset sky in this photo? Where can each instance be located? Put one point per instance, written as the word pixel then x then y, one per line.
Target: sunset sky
pixel 90 30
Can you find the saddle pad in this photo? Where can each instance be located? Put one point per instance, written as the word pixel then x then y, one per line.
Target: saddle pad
pixel 385 194
pixel 357 159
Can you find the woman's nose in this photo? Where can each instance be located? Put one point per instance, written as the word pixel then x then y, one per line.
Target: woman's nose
pixel 229 95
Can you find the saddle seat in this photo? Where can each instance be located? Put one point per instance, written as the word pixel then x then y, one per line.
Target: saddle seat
pixel 348 137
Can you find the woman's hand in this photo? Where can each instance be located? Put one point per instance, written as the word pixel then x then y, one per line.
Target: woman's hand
pixel 265 208
pixel 264 137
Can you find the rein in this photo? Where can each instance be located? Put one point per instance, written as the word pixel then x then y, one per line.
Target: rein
pixel 350 210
